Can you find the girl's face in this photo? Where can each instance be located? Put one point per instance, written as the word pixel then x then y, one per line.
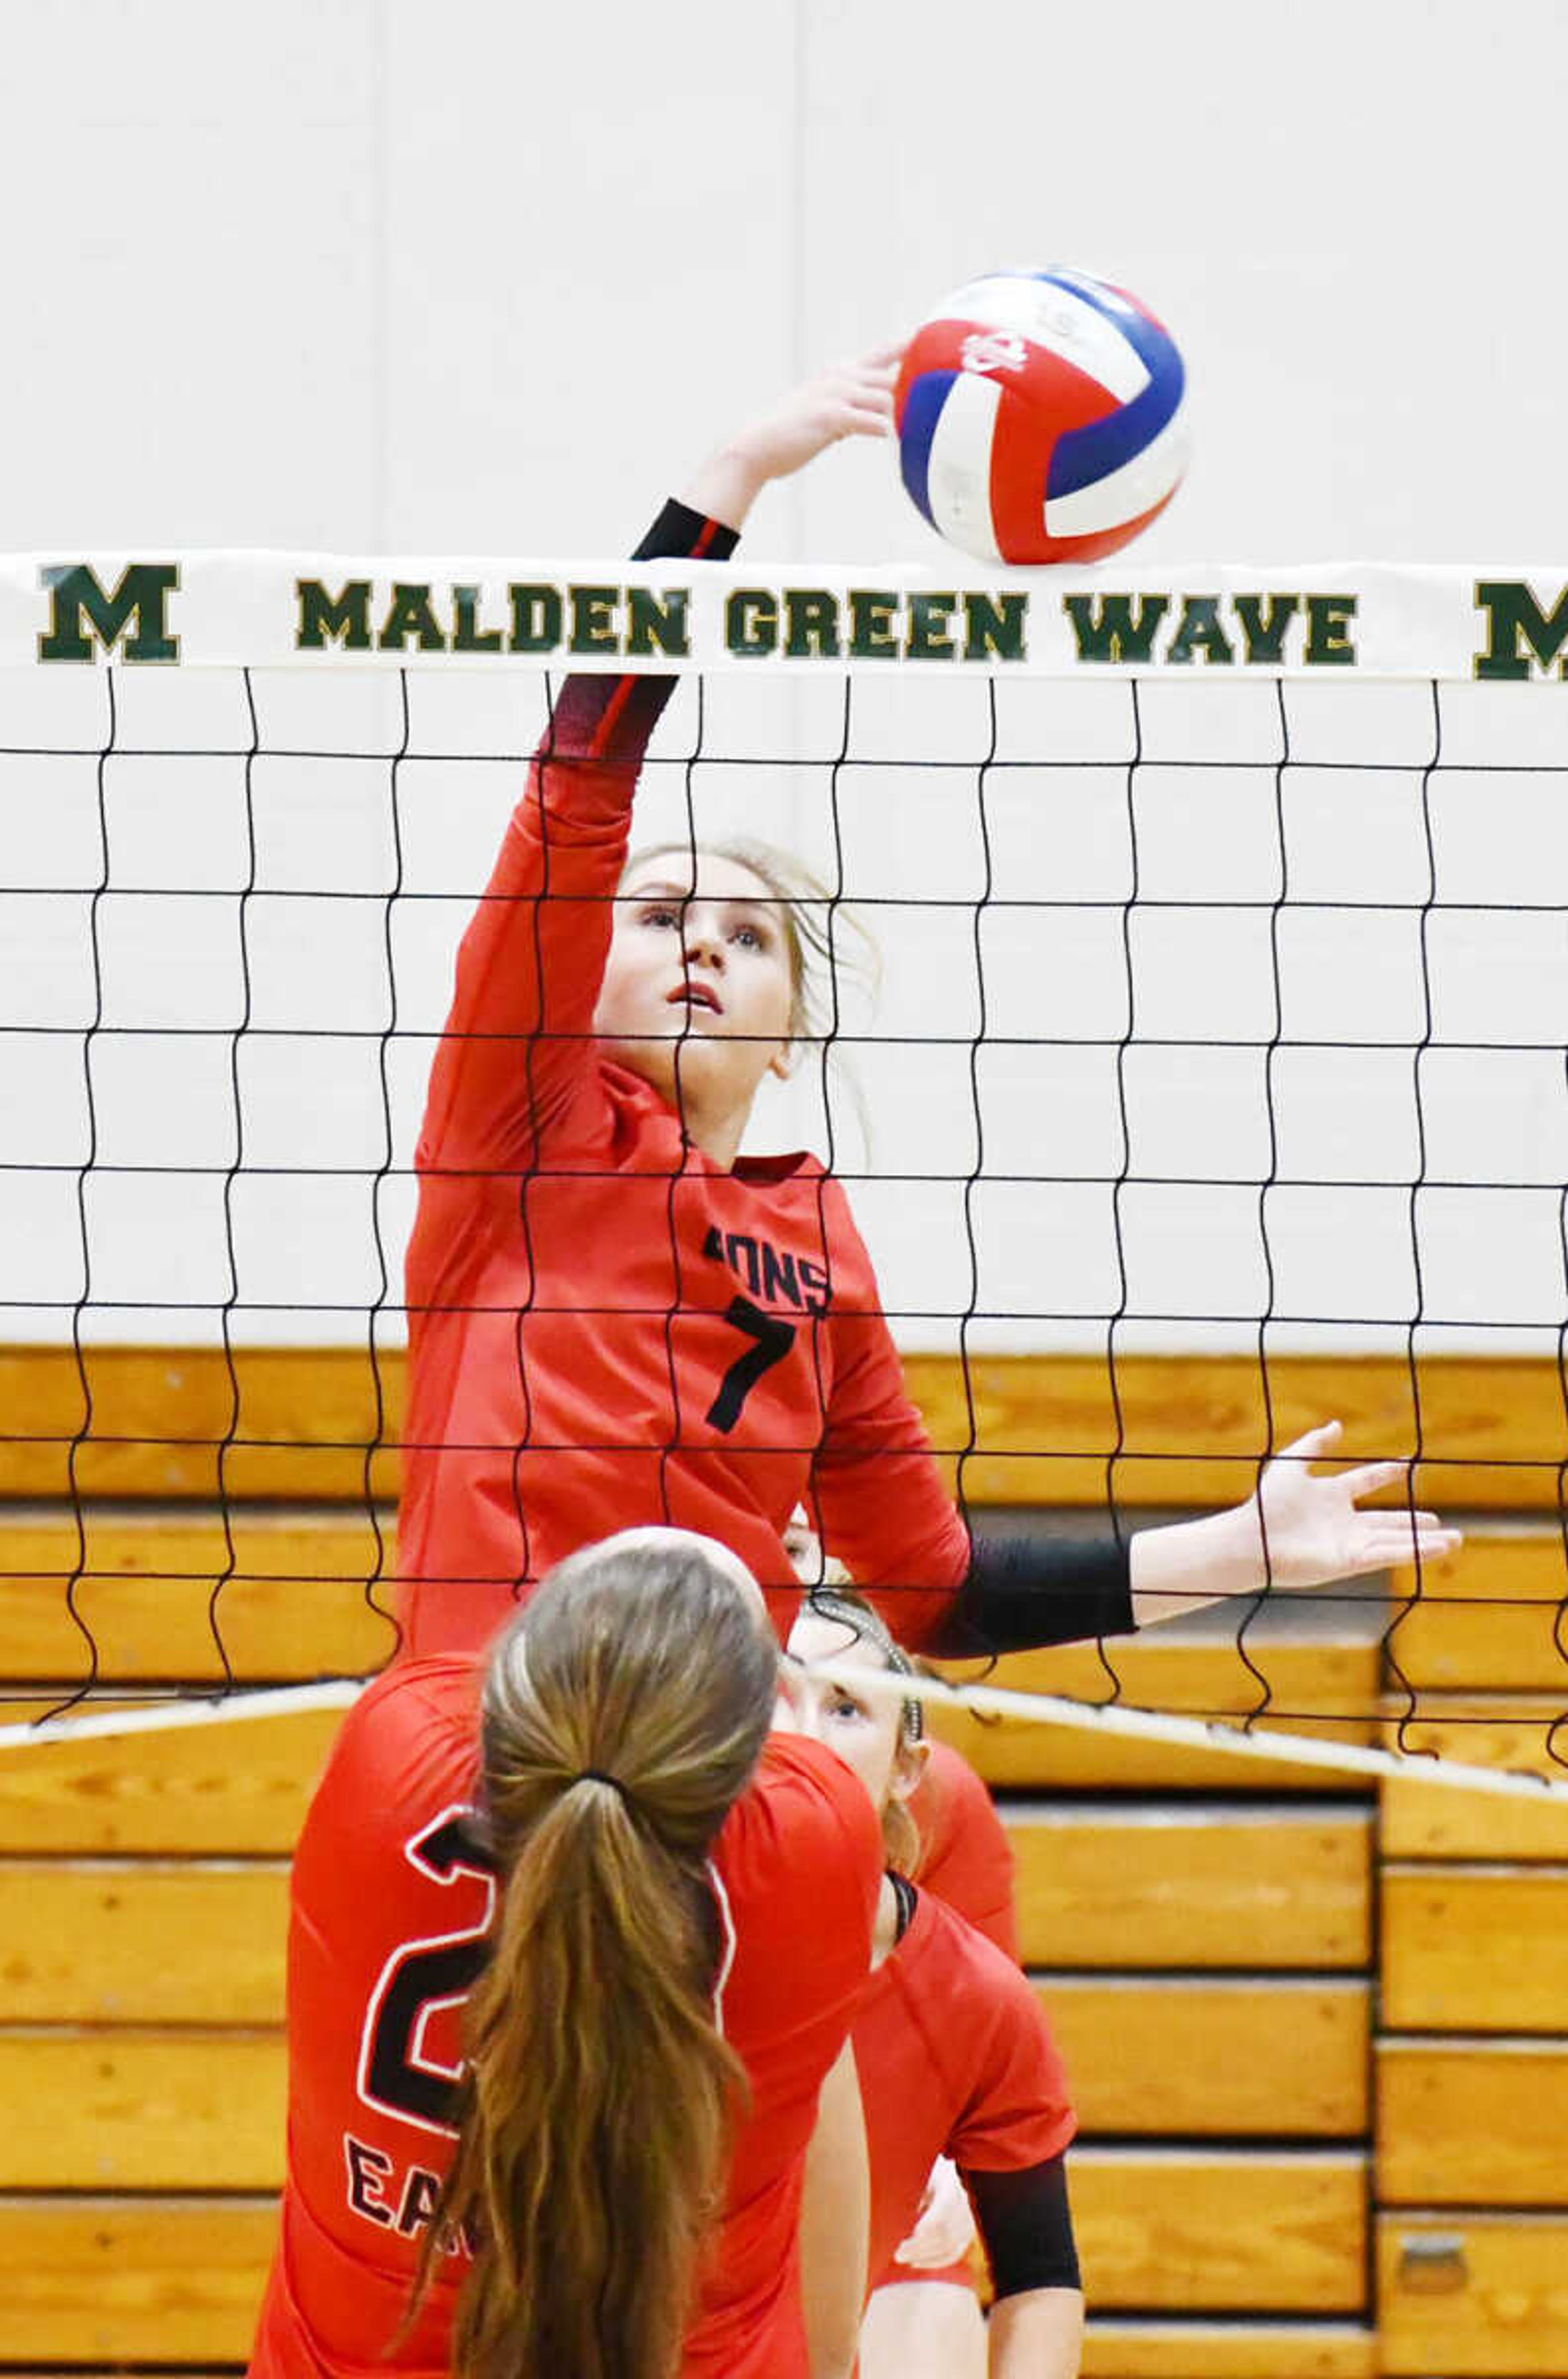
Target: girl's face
pixel 862 1729
pixel 698 993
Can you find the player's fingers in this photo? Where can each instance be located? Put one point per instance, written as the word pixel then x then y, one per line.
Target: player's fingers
pixel 886 357
pixel 1369 1477
pixel 1312 1443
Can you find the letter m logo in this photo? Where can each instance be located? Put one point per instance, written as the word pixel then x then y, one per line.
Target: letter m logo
pixel 84 619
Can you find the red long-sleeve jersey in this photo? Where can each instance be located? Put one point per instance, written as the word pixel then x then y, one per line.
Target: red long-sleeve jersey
pixel 966 1856
pixel 606 1328
pixel 955 2060
pixel 390 1899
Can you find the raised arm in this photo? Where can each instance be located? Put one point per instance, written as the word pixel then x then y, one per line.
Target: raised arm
pixel 518 1042
pixel 518 1038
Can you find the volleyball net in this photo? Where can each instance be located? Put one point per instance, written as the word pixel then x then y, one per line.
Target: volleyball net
pixel 1210 1081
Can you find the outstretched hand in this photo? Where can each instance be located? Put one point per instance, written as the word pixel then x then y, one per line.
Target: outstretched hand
pixel 1313 1530
pixel 1300 1528
pixel 848 399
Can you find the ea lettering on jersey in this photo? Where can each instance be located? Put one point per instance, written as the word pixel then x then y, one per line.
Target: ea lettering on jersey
pixel 1270 631
pixel 769 1272
pixel 404 2202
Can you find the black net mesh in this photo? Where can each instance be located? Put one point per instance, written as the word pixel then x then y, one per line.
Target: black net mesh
pixel 1209 1081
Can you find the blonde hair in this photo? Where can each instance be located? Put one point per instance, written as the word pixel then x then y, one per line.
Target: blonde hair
pixel 622 1715
pixel 811 916
pixel 842 1607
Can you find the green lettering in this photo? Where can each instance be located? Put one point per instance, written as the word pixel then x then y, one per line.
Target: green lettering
pixel 536 619
pixel 871 624
pixel 468 636
pixel 1199 632
pixel 1106 629
pixel 80 612
pixel 812 623
pixel 409 614
pixel 930 617
pixel 1265 632
pixel 1516 620
pixel 993 625
pixel 657 622
pixel 751 621
pixel 1328 631
pixel 593 619
pixel 341 619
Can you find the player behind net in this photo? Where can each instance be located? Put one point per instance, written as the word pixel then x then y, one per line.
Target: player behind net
pixel 616 1317
pixel 662 1917
pixel 955 2062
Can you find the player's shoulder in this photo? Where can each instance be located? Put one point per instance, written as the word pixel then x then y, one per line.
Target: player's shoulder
pixel 941 1950
pixel 804 1807
pixel 412 1737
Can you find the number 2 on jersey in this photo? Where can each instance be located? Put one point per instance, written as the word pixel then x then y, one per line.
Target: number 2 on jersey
pixel 771 1341
pixel 394 2072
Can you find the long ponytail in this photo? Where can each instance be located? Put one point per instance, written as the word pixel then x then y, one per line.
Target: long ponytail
pixel 622 1717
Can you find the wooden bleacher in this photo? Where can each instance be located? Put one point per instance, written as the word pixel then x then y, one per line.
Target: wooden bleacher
pixel 1319 2035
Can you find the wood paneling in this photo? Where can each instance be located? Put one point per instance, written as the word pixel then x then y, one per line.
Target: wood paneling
pixel 285 1595
pixel 1042 1427
pixel 1475 1949
pixel 132 2109
pixel 1422 1820
pixel 1492 1432
pixel 1213 2058
pixel 95 1941
pixel 1319 1688
pixel 1505 2314
pixel 177 2279
pixel 1231 2349
pixel 1472 2122
pixel 1486 1617
pixel 127 2279
pixel 1192 1884
pixel 1222 2231
pixel 238 1788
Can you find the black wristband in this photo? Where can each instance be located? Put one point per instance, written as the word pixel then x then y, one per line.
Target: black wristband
pixel 680 531
pixel 611 717
pixel 1025 2224
pixel 1021 1594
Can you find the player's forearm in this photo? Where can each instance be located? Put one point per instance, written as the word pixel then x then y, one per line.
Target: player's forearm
pixel 835 2224
pixel 1189 1563
pixel 1036 2336
pixel 726 486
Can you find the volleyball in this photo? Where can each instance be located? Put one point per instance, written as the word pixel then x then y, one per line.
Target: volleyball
pixel 1041 418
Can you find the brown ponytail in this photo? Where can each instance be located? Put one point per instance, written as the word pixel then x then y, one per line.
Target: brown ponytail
pixel 623 1714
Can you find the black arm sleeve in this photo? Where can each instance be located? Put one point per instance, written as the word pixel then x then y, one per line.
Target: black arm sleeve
pixel 1020 1595
pixel 613 716
pixel 1025 2224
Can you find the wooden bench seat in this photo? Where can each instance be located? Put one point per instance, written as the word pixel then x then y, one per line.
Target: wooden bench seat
pixel 1471 2121
pixel 1193 1884
pixel 1473 1949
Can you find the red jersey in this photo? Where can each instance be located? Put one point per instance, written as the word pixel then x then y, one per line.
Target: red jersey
pixel 966 1855
pixel 391 1902
pixel 955 2060
pixel 606 1328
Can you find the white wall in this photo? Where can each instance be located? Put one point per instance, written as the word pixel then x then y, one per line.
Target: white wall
pixel 487 278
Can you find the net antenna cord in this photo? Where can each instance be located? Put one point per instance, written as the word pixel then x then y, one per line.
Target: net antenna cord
pixel 979 1701
pixel 1190 1733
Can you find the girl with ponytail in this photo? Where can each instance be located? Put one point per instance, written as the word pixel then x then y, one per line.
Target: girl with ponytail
pixel 661 1918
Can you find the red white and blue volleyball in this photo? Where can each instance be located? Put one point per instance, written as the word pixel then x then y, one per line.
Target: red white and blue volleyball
pixel 1041 418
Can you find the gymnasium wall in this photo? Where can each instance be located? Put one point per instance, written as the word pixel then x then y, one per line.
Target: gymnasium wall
pixel 368 278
